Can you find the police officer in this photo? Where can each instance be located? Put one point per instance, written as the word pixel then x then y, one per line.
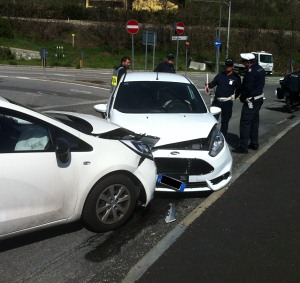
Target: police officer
pixel 119 71
pixel 291 88
pixel 252 97
pixel 227 85
pixel 167 65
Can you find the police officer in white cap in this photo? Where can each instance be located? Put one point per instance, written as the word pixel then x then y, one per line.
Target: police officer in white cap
pixel 252 97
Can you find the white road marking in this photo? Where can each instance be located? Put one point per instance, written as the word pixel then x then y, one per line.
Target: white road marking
pixel 62 75
pixel 60 82
pixel 23 78
pixel 69 105
pixel 80 91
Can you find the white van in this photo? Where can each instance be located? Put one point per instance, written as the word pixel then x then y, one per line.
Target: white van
pixel 265 60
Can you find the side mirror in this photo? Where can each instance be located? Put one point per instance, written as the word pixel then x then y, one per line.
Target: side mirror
pixel 101 108
pixel 215 111
pixel 62 150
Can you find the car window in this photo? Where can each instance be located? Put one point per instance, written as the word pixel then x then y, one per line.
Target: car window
pixel 76 144
pixel 21 134
pixel 159 97
pixel 266 58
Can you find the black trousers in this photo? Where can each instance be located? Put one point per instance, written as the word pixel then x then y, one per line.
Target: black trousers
pixel 226 114
pixel 249 124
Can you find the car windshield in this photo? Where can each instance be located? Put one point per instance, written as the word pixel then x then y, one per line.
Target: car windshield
pixel 266 58
pixel 159 97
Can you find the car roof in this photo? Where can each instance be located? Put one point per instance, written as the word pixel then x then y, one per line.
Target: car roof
pixel 155 76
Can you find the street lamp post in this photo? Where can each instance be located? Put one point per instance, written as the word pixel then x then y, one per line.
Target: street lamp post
pixel 229 19
pixel 228 28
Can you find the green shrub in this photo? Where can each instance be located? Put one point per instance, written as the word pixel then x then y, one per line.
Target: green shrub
pixel 5 29
pixel 6 54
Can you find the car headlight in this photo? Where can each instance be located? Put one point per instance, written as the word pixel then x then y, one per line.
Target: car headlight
pixel 139 147
pixel 216 142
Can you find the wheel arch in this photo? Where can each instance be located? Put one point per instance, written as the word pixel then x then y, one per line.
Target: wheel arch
pixel 141 194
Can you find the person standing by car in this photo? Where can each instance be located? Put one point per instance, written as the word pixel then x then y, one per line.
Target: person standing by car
pixel 252 97
pixel 119 71
pixel 167 65
pixel 227 85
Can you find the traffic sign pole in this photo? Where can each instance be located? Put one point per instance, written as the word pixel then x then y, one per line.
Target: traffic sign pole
pixel 187 45
pixel 217 45
pixel 179 30
pixel 132 49
pixel 133 28
pixel 177 54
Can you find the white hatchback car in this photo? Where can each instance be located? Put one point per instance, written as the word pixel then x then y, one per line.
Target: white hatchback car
pixel 191 147
pixel 77 166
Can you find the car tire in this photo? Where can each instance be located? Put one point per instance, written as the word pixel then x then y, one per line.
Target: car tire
pixel 110 204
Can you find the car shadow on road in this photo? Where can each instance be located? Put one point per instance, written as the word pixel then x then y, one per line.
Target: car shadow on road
pixel 280 108
pixel 182 195
pixel 150 218
pixel 34 237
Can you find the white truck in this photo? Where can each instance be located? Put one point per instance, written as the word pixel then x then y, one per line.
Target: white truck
pixel 263 58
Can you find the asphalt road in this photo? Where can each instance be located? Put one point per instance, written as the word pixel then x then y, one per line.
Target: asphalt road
pixel 70 253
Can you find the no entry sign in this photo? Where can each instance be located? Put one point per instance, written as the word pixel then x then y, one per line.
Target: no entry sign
pixel 187 43
pixel 180 28
pixel 132 26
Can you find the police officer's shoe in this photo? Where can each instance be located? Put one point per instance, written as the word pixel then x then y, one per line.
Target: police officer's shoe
pixel 252 146
pixel 240 150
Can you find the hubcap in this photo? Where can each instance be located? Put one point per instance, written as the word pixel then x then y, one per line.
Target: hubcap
pixel 113 204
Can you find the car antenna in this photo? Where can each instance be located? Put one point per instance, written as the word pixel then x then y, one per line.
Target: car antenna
pixel 157 76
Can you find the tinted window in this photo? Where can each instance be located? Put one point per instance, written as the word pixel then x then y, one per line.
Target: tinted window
pixel 76 144
pixel 158 97
pixel 266 58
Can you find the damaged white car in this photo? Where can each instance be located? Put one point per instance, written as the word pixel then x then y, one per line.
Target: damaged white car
pixel 191 147
pixel 77 166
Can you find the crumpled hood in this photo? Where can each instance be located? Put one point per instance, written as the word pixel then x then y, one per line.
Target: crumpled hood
pixel 99 125
pixel 170 128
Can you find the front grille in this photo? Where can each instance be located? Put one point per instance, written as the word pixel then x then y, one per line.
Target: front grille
pixel 182 166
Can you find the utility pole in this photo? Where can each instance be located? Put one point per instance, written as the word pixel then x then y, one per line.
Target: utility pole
pixel 229 18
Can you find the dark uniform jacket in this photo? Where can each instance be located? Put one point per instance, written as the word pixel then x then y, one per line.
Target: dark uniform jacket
pixel 253 82
pixel 227 85
pixel 165 67
pixel 291 82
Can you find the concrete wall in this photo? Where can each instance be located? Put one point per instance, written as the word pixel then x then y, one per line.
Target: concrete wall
pixel 25 54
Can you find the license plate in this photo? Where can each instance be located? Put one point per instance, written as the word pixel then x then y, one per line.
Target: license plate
pixel 171 182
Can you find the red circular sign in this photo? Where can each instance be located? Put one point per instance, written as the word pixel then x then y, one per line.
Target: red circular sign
pixel 133 26
pixel 180 28
pixel 187 43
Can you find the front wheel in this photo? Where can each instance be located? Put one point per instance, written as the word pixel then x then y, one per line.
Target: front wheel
pixel 110 204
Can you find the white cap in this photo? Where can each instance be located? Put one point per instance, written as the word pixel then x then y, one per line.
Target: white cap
pixel 247 56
